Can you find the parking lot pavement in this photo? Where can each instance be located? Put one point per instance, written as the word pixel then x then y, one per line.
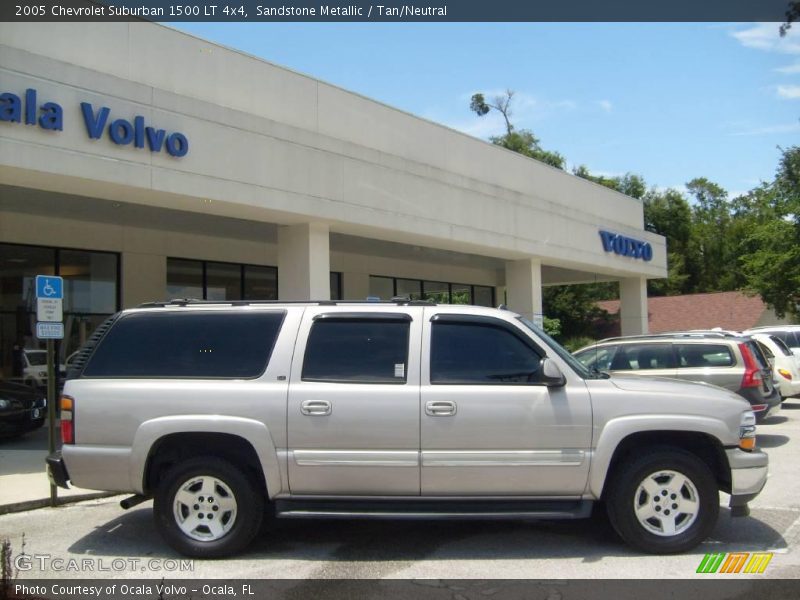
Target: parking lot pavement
pixel 23 477
pixel 102 532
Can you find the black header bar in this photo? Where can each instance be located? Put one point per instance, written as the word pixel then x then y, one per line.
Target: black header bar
pixel 394 11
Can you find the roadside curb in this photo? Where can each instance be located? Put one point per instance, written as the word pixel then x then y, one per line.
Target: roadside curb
pixel 45 502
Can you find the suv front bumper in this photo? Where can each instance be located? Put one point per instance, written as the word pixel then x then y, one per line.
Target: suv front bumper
pixel 749 472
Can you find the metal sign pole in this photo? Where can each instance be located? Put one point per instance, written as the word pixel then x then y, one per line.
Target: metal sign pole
pixel 51 410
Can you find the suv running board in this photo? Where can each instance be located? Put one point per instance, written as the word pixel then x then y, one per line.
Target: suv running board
pixel 433 509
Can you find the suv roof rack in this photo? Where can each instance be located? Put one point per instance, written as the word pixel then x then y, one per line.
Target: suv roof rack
pixel 397 301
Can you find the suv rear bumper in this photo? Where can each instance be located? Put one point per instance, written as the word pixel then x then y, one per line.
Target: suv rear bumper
pixel 748 472
pixel 57 470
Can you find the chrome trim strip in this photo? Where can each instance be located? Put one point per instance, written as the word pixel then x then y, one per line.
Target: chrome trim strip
pixel 501 458
pixel 355 458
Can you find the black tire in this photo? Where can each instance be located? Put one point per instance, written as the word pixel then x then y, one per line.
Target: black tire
pixel 229 483
pixel 690 525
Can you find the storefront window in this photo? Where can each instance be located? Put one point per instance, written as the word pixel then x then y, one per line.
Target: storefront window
pixel 223 281
pixel 460 294
pixel 440 292
pixel 381 287
pixel 90 296
pixel 409 288
pixel 260 283
pixel 184 278
pixel 436 291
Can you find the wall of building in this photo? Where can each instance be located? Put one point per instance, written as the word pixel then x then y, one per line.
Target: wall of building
pixel 270 145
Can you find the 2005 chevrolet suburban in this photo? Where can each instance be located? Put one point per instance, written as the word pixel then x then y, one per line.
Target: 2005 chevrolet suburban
pixel 227 413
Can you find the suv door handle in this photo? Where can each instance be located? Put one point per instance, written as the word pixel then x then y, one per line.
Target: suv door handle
pixel 315 408
pixel 440 408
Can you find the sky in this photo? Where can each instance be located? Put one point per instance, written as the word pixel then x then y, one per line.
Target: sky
pixel 667 101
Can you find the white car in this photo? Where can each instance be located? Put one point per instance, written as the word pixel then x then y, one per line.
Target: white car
pixel 34 368
pixel 785 364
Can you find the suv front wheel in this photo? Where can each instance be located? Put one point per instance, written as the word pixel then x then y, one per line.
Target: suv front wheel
pixel 206 507
pixel 663 502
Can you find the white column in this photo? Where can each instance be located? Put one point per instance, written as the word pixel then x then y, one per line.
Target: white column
pixel 633 306
pixel 144 278
pixel 524 287
pixel 304 262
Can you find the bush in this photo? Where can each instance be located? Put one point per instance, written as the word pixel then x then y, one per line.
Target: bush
pixel 576 343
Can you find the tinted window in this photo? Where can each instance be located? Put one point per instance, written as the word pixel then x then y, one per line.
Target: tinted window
pixel 479 353
pixel 187 344
pixel 362 351
pixel 704 355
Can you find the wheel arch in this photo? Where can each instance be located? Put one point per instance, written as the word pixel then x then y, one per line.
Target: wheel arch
pixel 619 443
pixel 161 442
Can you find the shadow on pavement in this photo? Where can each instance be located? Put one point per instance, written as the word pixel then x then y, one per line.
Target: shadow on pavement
pixel 133 534
pixel 776 420
pixel 765 440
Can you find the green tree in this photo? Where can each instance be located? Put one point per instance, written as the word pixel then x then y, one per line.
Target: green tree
pixel 714 267
pixel 522 141
pixel 770 260
pixel 629 184
pixel 668 213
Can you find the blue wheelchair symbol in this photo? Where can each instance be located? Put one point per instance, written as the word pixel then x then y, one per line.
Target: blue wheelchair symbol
pixel 49 287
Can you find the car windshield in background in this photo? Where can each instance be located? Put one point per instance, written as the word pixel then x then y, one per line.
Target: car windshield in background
pixel 36 357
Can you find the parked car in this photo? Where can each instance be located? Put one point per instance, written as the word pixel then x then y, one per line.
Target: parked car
pixel 785 364
pixel 726 359
pixel 34 368
pixel 227 412
pixel 789 334
pixel 21 409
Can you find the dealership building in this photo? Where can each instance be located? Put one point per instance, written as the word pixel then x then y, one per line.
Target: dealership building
pixel 141 163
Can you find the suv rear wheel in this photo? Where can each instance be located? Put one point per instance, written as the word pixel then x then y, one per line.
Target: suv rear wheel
pixel 207 508
pixel 663 502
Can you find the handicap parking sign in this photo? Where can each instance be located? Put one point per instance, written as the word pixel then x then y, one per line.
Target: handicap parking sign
pixel 49 287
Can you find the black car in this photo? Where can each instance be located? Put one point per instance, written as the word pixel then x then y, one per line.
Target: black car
pixel 22 409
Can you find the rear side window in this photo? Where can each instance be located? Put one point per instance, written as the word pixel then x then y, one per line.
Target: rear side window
pixel 637 357
pixel 471 353
pixel 206 345
pixel 357 351
pixel 704 355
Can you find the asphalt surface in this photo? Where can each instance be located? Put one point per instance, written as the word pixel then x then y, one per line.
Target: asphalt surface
pixel 109 542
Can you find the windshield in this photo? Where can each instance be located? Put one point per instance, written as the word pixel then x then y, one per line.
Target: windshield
pixel 562 352
pixel 36 357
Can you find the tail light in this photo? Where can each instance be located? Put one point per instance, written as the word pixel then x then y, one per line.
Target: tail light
pixel 67 420
pixel 752 374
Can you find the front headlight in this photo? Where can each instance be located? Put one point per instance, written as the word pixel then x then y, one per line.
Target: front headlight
pixel 5 404
pixel 747 430
pixel 42 373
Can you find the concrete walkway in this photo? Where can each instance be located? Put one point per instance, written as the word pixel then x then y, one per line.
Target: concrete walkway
pixel 23 476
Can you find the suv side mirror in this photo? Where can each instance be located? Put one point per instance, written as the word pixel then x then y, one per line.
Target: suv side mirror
pixel 551 374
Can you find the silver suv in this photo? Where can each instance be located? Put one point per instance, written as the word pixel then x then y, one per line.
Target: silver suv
pixel 226 414
pixel 727 359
